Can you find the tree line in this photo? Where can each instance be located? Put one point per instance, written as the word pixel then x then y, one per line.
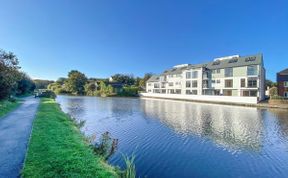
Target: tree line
pixel 77 83
pixel 13 81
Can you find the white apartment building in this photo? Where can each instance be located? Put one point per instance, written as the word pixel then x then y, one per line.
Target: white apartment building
pixel 226 76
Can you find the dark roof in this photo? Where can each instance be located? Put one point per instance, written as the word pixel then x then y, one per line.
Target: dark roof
pixel 174 70
pixel 283 72
pixel 218 64
pixel 116 84
pixel 154 78
pixel 236 62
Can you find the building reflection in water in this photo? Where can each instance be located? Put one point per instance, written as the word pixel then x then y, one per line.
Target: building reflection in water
pixel 230 126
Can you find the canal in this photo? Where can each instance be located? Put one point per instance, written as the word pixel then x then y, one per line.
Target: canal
pixel 186 139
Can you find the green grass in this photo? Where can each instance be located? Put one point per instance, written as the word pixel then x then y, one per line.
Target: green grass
pixel 7 106
pixel 58 149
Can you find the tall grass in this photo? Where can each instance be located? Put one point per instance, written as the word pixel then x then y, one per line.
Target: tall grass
pixel 130 171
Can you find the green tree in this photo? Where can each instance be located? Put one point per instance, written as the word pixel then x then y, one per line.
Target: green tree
pixel 91 89
pixel 61 80
pixel 25 84
pixel 142 83
pixel 105 90
pixel 76 82
pixel 270 84
pixel 9 74
pixel 124 79
pixel 42 84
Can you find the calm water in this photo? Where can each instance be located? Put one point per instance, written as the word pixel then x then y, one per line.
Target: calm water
pixel 184 139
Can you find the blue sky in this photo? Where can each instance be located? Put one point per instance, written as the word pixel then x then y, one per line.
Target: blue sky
pixel 101 38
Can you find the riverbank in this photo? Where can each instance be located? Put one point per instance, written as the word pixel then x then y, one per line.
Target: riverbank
pixel 58 149
pixel 7 106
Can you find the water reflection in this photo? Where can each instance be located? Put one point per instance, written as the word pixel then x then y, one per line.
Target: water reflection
pixel 232 127
pixel 186 139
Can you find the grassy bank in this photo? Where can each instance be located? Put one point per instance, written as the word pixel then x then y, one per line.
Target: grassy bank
pixel 7 106
pixel 57 148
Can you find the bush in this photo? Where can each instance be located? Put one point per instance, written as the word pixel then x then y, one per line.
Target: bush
pixel 129 91
pixel 48 94
pixel 273 91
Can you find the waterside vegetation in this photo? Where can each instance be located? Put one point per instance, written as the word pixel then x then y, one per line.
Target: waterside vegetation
pixel 58 149
pixel 8 105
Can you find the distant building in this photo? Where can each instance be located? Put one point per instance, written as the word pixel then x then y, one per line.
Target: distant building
pixel 226 76
pixel 117 87
pixel 282 81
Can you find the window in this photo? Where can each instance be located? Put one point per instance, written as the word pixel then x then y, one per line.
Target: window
pixel 191 92
pixel 286 94
pixel 177 83
pixel 171 84
pixel 216 71
pixel 149 84
pixel 217 81
pixel 194 92
pixel 156 91
pixel 170 76
pixel 178 75
pixel 286 84
pixel 216 92
pixel 188 84
pixel 228 83
pixel 250 59
pixel 195 74
pixel 250 93
pixel 213 81
pixel 156 85
pixel 229 72
pixel 216 63
pixel 252 70
pixel 243 83
pixel 194 84
pixel 252 83
pixel 188 74
pixel 233 60
pixel 227 92
pixel 178 91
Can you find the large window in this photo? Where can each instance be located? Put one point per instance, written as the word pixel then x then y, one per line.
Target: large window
pixel 286 84
pixel 250 93
pixel 252 83
pixel 252 70
pixel 178 91
pixel 229 72
pixel 171 84
pixel 228 83
pixel 194 84
pixel 156 85
pixel 188 84
pixel 195 74
pixel 227 92
pixel 188 75
pixel 243 83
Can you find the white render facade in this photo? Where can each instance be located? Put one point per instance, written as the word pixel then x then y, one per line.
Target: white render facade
pixel 233 76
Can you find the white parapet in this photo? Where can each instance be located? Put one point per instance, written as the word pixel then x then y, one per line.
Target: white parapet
pixel 203 98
